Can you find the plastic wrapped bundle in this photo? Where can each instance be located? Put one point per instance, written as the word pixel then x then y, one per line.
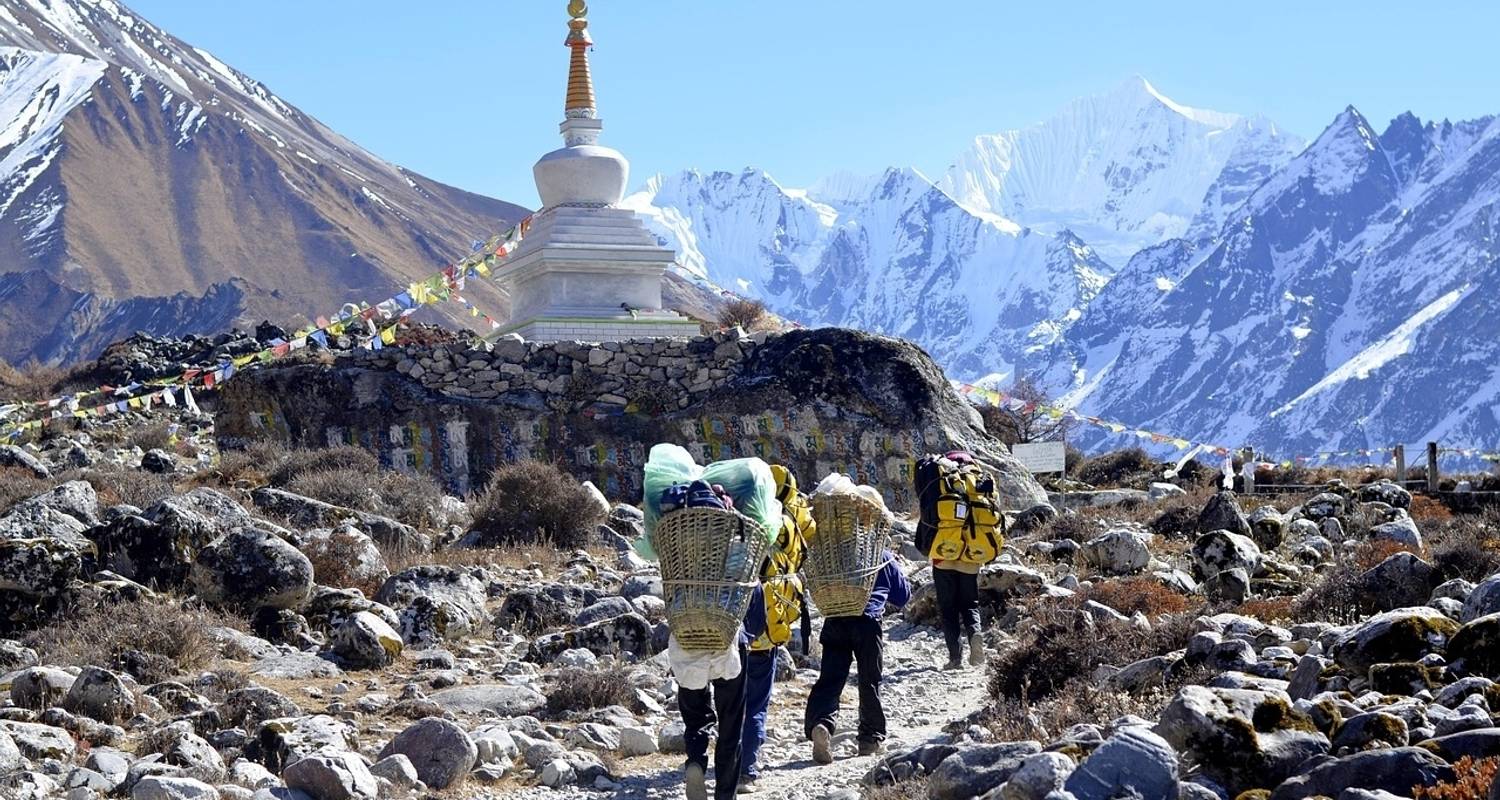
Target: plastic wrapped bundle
pixel 849 548
pixel 747 480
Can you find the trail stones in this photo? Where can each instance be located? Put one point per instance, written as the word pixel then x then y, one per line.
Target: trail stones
pixel 1119 552
pixel 441 752
pixel 250 569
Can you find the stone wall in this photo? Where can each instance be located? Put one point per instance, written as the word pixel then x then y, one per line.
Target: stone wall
pixel 820 401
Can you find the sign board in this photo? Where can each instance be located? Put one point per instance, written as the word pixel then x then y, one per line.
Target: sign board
pixel 1040 457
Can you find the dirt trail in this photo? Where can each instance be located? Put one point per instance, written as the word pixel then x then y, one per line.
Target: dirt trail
pixel 920 700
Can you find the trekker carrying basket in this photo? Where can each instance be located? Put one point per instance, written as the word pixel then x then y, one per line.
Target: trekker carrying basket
pixel 961 529
pixel 853 577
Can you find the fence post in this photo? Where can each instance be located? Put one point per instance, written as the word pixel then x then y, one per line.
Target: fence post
pixel 1401 465
pixel 1433 478
pixel 1249 470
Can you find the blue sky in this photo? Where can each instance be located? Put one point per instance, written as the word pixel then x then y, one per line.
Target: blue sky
pixel 470 91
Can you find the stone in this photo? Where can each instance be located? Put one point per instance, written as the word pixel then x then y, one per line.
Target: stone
pixel 12 456
pixel 39 568
pixel 38 742
pixel 248 707
pixel 607 608
pixel 1400 581
pixel 76 499
pixel 251 775
pixel 1371 730
pixel 1484 600
pixel 1119 552
pixel 501 700
pixel 309 513
pixel 1402 530
pixel 1404 634
pixel 169 788
pixel 10 754
pixel 1476 646
pixel 1386 491
pixel 365 641
pixel 1222 513
pixel 100 694
pixel 1325 506
pixel 397 770
pixel 345 557
pixel 1228 586
pixel 441 752
pixel 249 569
pixel 1217 551
pixel 294 666
pixel 1134 762
pixel 976 769
pixel 434 603
pixel 1242 739
pixel 332 776
pixel 1163 491
pixel 558 773
pixel 1039 776
pixel 1399 768
pixel 627 634
pixel 283 741
pixel 195 757
pixel 159 462
pixel 636 741
pixel 1478 743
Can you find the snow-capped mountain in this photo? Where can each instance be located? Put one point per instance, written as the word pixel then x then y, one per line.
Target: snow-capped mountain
pixel 1353 301
pixel 134 166
pixel 1123 170
pixel 890 253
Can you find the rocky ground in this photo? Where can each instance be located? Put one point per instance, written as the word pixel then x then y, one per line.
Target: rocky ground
pixel 179 623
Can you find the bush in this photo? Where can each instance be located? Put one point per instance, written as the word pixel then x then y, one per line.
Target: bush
pixel 911 789
pixel 1122 468
pixel 1426 509
pixel 577 689
pixel 118 484
pixel 17 484
pixel 31 381
pixel 1063 644
pixel 1472 782
pixel 749 315
pixel 1337 597
pixel 154 640
pixel 1145 595
pixel 1079 701
pixel 531 502
pixel 1466 547
pixel 295 463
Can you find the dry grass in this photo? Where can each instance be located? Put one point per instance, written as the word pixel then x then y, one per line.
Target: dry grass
pixel 1145 595
pixel 118 484
pixel 533 502
pixel 345 476
pixel 1465 546
pixel 1427 509
pixel 515 556
pixel 17 484
pixel 1473 781
pixel 1078 701
pixel 914 789
pixel 1062 645
pixel 1131 468
pixel 30 381
pixel 1272 610
pixel 748 315
pixel 1370 554
pixel 1336 597
pixel 154 640
pixel 576 690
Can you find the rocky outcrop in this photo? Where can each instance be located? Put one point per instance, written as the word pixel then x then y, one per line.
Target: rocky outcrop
pixel 819 401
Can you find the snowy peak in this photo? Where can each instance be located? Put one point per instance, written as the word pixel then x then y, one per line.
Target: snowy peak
pixel 1125 169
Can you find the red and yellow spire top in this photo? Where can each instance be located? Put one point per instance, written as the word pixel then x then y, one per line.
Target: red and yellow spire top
pixel 580 101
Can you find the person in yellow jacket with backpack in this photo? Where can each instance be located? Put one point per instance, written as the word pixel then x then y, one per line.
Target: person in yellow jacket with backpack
pixel 785 607
pixel 960 530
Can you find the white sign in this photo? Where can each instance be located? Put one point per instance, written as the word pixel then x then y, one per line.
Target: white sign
pixel 1042 457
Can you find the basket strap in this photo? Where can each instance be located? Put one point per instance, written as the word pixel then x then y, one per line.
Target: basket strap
pixel 863 573
pixel 713 584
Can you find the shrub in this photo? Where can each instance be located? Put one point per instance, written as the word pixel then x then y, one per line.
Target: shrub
pixel 1023 425
pixel 17 484
pixel 532 502
pixel 1176 521
pixel 1063 644
pixel 1337 597
pixel 31 381
pixel 156 436
pixel 118 484
pixel 911 789
pixel 1472 782
pixel 577 689
pixel 154 640
pixel 1270 610
pixel 1078 701
pixel 1119 468
pixel 294 463
pixel 1369 554
pixel 1427 509
pixel 1466 546
pixel 747 314
pixel 1144 595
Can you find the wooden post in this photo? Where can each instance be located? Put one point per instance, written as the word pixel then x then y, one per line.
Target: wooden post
pixel 1433 478
pixel 1249 470
pixel 1401 465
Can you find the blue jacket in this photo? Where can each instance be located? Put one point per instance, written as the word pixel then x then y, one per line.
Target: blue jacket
pixel 891 588
pixel 755 619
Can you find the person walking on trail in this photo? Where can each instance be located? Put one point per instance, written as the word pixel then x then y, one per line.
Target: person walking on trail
pixel 711 698
pixel 855 640
pixel 783 607
pixel 960 529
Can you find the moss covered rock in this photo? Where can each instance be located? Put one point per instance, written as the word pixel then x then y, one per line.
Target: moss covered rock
pixel 1405 634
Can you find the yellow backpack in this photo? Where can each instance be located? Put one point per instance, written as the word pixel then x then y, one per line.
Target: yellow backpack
pixel 779 581
pixel 970 523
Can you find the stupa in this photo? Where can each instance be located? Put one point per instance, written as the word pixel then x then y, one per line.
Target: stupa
pixel 588 270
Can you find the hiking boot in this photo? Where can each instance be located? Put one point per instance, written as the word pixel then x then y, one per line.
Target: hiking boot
pixel 977 655
pixel 869 748
pixel 954 664
pixel 822 741
pixel 747 785
pixel 694 783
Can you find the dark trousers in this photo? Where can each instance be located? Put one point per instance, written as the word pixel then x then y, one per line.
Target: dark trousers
pixel 760 674
pixel 958 603
pixel 847 640
pixel 719 707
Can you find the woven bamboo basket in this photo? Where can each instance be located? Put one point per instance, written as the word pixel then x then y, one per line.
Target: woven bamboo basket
pixel 846 553
pixel 710 564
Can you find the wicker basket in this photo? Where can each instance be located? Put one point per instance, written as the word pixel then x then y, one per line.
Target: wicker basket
pixel 710 564
pixel 846 553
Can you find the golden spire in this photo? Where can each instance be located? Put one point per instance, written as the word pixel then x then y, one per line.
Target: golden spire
pixel 580 101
